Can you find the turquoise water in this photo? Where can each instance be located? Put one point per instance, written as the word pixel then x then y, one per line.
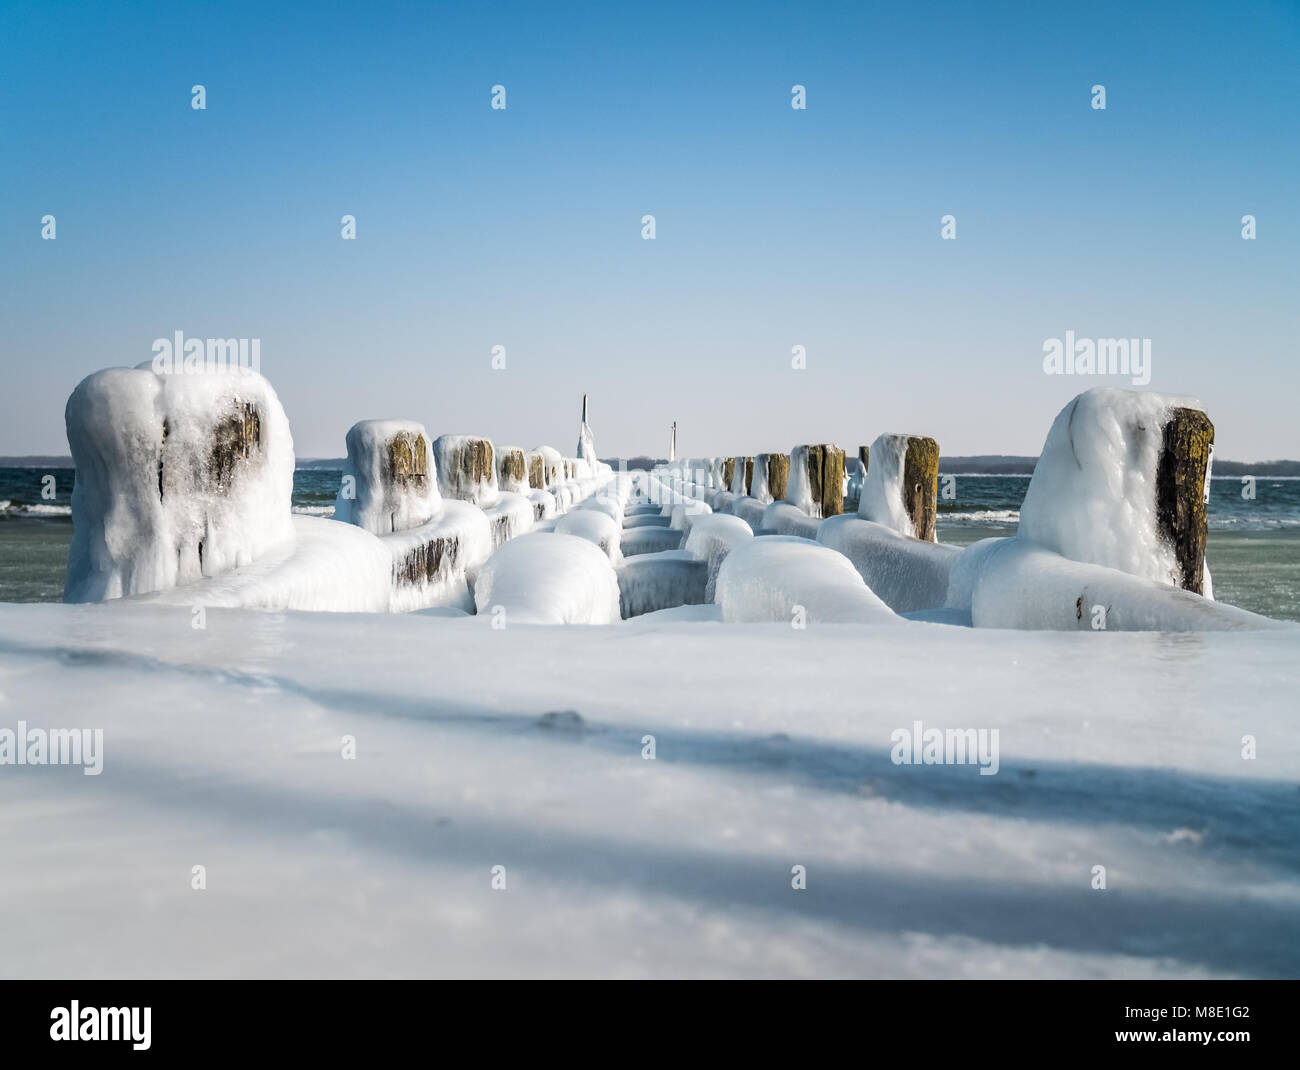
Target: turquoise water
pixel 1253 550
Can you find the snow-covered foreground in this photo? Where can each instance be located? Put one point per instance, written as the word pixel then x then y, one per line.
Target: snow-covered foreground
pixel 523 747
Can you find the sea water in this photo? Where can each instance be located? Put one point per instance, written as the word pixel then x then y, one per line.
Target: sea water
pixel 1253 549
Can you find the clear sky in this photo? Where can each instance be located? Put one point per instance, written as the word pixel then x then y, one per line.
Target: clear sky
pixel 775 227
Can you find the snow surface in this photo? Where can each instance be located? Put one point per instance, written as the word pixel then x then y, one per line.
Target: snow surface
pixel 222 748
pixel 548 578
pixel 773 577
pixel 152 506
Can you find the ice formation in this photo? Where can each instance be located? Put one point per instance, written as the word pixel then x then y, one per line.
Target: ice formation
pixel 543 504
pixel 816 483
pixel 649 540
pixel 325 567
pixel 509 515
pixel 907 574
pixel 594 526
pixel 548 578
pixel 466 468
pixel 389 482
pixel 785 518
pixel 1021 585
pixel 179 476
pixel 741 475
pixel 751 511
pixel 795 581
pixel 652 582
pixel 586 440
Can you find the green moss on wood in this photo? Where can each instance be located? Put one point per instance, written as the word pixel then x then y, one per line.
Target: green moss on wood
pixel 921 485
pixel 408 460
pixel 778 474
pixel 236 438
pixel 1180 492
pixel 511 467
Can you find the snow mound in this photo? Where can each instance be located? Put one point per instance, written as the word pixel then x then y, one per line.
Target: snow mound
pixel 907 574
pixel 594 526
pixel 432 565
pixel 389 481
pixel 711 539
pixel 684 514
pixel 179 476
pixel 509 516
pixel 325 567
pixel 1021 585
pixel 548 579
pixel 543 504
pixel 751 511
pixel 649 583
pixel 785 518
pixel 794 581
pixel 1092 497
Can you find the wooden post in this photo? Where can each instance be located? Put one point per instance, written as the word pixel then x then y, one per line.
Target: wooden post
pixel 1182 492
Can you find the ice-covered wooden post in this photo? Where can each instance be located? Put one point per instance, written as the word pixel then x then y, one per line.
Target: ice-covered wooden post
pixel 1121 482
pixel 816 482
pixel 512 469
pixel 388 480
pixel 179 476
pixel 466 468
pixel 771 472
pixel 1182 492
pixel 864 457
pixel 901 488
pixel 536 470
pixel 728 472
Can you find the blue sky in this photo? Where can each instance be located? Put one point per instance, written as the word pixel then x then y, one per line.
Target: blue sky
pixel 775 227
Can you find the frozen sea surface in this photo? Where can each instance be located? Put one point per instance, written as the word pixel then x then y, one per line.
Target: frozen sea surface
pixel 522 747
